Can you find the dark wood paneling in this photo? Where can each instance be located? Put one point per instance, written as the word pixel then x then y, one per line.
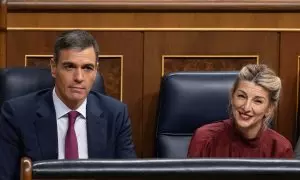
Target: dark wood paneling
pixel 32 60
pixel 3 15
pixel 202 63
pixel 146 5
pixel 3 12
pixel 133 20
pixel 289 73
pixel 111 69
pixel 159 44
pixel 2 49
pixel 115 44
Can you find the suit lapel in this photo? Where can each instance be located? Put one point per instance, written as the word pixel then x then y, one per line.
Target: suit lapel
pixel 96 129
pixel 46 127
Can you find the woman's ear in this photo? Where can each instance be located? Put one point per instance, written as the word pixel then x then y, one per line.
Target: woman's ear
pixel 270 111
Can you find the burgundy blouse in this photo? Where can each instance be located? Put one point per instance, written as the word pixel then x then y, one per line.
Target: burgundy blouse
pixel 222 140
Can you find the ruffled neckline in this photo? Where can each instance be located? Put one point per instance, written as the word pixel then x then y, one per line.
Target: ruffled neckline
pixel 238 136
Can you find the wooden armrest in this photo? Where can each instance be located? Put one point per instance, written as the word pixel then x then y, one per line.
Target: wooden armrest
pixel 26 169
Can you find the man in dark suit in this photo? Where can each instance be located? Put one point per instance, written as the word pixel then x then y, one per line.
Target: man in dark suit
pixel 68 121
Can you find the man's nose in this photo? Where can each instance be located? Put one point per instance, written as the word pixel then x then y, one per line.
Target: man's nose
pixel 78 75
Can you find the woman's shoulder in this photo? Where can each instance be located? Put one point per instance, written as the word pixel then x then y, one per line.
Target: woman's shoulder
pixel 278 139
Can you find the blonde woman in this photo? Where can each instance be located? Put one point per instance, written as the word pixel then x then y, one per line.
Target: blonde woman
pixel 254 98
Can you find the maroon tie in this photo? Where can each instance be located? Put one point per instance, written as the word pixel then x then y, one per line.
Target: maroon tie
pixel 71 147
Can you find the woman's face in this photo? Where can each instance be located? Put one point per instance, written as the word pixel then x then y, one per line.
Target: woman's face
pixel 250 104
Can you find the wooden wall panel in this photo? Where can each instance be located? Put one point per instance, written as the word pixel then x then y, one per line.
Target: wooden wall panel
pixel 120 64
pixel 153 14
pixel 111 68
pixel 150 5
pixel 2 49
pixel 206 63
pixel 238 21
pixel 3 15
pixel 289 73
pixel 34 60
pixel 265 45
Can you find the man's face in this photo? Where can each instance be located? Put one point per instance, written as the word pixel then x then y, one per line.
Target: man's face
pixel 74 73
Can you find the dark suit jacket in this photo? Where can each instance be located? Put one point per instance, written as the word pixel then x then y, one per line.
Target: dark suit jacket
pixel 28 128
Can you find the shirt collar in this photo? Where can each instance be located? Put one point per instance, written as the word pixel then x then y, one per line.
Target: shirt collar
pixel 61 109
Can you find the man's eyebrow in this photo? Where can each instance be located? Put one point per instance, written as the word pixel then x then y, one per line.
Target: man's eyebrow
pixel 90 64
pixel 67 63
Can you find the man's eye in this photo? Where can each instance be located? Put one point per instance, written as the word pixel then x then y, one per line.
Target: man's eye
pixel 68 67
pixel 88 68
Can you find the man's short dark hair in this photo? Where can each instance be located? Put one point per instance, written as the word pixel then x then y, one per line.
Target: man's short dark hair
pixel 76 39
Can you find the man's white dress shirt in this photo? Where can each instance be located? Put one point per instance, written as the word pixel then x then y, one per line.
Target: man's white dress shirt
pixel 62 126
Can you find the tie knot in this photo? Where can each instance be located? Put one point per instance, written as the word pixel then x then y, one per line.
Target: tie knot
pixel 72 116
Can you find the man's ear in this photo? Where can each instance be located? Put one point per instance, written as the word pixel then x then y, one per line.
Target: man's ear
pixel 53 67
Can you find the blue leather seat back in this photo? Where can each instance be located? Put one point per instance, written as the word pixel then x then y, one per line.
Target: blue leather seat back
pixel 187 101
